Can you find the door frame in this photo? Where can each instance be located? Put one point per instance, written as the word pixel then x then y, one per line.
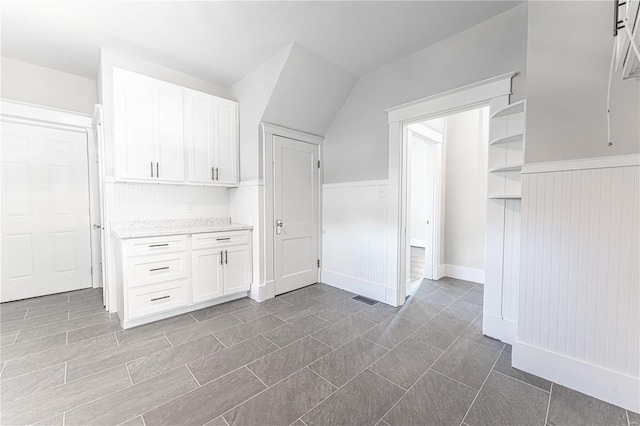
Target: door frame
pixel 464 98
pixel 48 117
pixel 265 289
pixel 437 174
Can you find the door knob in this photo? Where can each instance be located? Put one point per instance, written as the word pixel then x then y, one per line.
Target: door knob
pixel 95 226
pixel 278 226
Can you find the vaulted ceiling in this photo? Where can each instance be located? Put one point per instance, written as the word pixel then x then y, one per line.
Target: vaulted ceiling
pixel 222 42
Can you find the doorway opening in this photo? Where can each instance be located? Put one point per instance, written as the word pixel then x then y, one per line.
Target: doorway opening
pixel 446 197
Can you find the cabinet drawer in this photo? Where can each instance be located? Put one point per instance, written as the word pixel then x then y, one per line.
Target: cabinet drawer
pixel 144 270
pixel 152 245
pixel 157 298
pixel 220 239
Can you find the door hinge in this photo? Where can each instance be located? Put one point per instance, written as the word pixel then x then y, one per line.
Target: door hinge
pixel 318 163
pixel 318 263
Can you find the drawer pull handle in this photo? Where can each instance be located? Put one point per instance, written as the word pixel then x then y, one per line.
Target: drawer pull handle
pixel 223 239
pixel 160 298
pixel 158 269
pixel 159 245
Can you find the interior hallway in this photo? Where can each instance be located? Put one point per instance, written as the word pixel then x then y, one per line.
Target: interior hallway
pixel 313 356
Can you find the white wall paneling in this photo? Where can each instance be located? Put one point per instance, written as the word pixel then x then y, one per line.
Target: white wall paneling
pixel 580 278
pixel 354 237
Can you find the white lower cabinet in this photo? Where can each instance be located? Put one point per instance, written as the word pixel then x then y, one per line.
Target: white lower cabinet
pixel 187 272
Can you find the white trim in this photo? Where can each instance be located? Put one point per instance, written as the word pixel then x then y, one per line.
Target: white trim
pixel 598 382
pixel 43 115
pixel 464 273
pixel 354 184
pixel 468 95
pixel 416 242
pixel 249 183
pixel 291 133
pixel 440 272
pixel 355 285
pixel 583 164
pixel 499 328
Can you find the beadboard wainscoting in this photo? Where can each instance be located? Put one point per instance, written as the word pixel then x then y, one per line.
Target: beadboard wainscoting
pixel 355 247
pixel 579 307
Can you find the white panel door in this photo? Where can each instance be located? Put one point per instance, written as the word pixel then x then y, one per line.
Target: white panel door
pixel 134 126
pixel 198 131
pixel 226 141
pixel 237 269
pixel 169 132
pixel 46 244
pixel 206 274
pixel 296 178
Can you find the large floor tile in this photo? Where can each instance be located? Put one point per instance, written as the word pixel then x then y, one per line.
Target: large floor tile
pixel 503 365
pixel 8 338
pixel 345 363
pixel 392 331
pixel 106 359
pixel 462 311
pixel 25 385
pixel 57 327
pixel 569 407
pixel 341 310
pixel 284 335
pixel 505 401
pixel 433 400
pixel 343 331
pixel 147 331
pixel 362 401
pixel 25 324
pixel 19 350
pixel 440 332
pixel 299 310
pixel 283 403
pixel 467 362
pixel 458 285
pixel 441 298
pixel 474 333
pixel 404 364
pixel 83 294
pixel 261 309
pixel 223 308
pixel 222 362
pixel 336 296
pixel 634 418
pixel 248 330
pixel 122 405
pixel 418 311
pixel 136 421
pixel 278 365
pixel 53 421
pixel 170 358
pixel 92 331
pixel 378 312
pixel 201 329
pixel 207 402
pixel 9 314
pixel 302 295
pixel 310 324
pixel 58 355
pixel 48 403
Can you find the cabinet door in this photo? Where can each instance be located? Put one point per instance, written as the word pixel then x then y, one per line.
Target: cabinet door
pixel 226 140
pixel 206 274
pixel 237 269
pixel 169 131
pixel 134 124
pixel 198 131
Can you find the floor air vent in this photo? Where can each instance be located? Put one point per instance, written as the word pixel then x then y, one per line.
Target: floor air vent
pixel 365 300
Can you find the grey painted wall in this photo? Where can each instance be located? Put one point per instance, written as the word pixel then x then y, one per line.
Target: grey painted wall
pixel 38 85
pixel 357 144
pixel 569 53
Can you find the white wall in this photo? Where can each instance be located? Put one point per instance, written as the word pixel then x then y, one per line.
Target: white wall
pixel 21 81
pixel 357 144
pixel 569 54
pixel 466 145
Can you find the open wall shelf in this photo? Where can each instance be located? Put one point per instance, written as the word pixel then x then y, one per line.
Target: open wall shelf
pixel 506 197
pixel 507 168
pixel 519 137
pixel 510 110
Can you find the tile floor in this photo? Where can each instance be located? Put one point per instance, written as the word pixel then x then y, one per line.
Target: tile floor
pixel 310 357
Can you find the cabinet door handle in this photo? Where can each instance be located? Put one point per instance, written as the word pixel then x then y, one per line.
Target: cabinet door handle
pixel 221 257
pixel 158 269
pixel 157 170
pixel 217 174
pixel 151 163
pixel 159 245
pixel 226 257
pixel 223 239
pixel 212 174
pixel 160 298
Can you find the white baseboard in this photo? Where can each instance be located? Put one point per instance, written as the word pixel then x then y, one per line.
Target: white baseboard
pixel 464 273
pixel 415 242
pixel 498 328
pixel 598 382
pixel 441 272
pixel 262 292
pixel 355 285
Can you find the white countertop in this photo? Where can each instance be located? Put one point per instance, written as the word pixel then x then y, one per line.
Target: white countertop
pixel 155 228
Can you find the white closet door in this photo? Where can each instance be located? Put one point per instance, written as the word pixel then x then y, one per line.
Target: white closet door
pixel 45 212
pixel 226 139
pixel 296 177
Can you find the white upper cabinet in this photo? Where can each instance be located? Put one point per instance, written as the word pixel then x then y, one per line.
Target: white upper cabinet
pixel 158 125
